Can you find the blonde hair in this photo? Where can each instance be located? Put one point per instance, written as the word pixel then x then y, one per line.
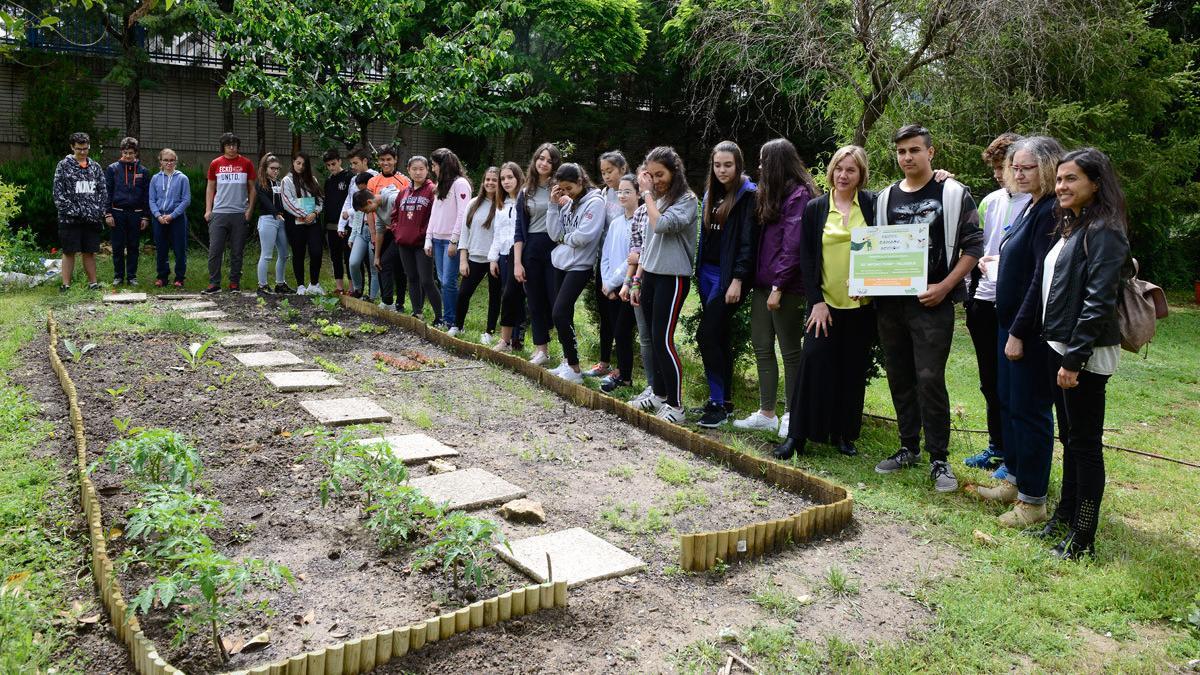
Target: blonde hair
pixel 1046 152
pixel 165 150
pixel 860 158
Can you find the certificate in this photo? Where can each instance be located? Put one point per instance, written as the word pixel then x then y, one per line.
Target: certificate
pixel 889 260
pixel 306 204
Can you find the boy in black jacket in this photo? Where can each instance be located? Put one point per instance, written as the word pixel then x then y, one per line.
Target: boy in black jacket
pixel 128 210
pixel 80 196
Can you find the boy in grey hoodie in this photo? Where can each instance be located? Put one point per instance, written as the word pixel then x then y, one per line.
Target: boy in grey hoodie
pixel 575 221
pixel 80 196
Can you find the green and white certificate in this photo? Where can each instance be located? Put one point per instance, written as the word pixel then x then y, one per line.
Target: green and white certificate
pixel 889 260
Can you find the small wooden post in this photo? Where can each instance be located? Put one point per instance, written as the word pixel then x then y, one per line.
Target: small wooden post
pixel 533 599
pixel 462 620
pixel 446 625
pixel 710 550
pixel 416 636
pixel 518 602
pixel 760 539
pixel 316 662
pixel 687 544
pixel 491 611
pixel 400 641
pixel 770 539
pixel 383 647
pixel 433 630
pixel 723 546
pixel 297 665
pixel 560 593
pixel 366 653
pixel 505 606
pixel 353 656
pixel 547 600
pixel 476 615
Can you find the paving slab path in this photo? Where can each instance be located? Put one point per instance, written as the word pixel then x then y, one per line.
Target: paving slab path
pixel 576 555
pixel 302 380
pixel 268 359
pixel 343 411
pixel 467 489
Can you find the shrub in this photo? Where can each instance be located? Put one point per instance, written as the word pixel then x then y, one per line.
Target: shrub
pixel 61 97
pixel 155 456
pixel 462 544
pixel 34 203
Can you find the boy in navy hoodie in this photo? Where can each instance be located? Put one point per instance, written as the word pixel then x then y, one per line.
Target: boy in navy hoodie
pixel 128 211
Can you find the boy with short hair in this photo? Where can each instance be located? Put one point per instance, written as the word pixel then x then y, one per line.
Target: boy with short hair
pixel 80 197
pixel 915 332
pixel 361 242
pixel 128 210
pixel 170 195
pixel 390 179
pixel 337 187
pixel 228 201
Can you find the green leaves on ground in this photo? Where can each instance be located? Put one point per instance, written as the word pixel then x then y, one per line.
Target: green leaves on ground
pixel 155 456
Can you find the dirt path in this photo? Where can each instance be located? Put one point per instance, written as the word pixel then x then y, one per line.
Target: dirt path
pixel 589 469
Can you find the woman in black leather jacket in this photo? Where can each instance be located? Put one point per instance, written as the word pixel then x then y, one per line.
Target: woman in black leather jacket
pixel 1079 283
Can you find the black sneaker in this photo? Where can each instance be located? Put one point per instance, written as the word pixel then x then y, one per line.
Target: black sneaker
pixel 284 288
pixel 943 478
pixel 63 288
pixel 211 290
pixel 610 384
pixel 1071 548
pixel 94 286
pixel 264 290
pixel 234 287
pixel 714 415
pixel 903 459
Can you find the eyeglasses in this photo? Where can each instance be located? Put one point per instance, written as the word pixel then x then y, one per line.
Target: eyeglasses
pixel 168 161
pixel 623 192
pixel 1017 168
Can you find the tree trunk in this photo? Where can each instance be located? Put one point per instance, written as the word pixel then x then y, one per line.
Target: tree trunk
pixel 296 143
pixel 873 108
pixel 133 88
pixel 260 130
pixel 227 102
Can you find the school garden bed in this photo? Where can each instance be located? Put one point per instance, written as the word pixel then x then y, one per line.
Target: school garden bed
pixel 589 469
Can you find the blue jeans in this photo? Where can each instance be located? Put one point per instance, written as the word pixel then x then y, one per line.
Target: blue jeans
pixel 714 336
pixel 447 274
pixel 168 239
pixel 363 249
pixel 126 244
pixel 1026 403
pixel 272 237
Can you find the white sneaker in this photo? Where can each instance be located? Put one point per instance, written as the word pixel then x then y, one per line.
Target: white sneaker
pixel 503 346
pixel 302 290
pixel 391 307
pixel 784 420
pixel 539 358
pixel 454 330
pixel 647 392
pixel 560 368
pixel 485 339
pixel 651 404
pixel 671 414
pixel 570 375
pixel 316 289
pixel 757 421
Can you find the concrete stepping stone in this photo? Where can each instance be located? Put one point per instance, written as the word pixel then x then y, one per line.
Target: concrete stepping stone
pixel 246 340
pixel 268 359
pixel 125 297
pixel 178 296
pixel 413 448
pixel 194 305
pixel 577 556
pixel 302 380
pixel 230 326
pixel 209 314
pixel 467 489
pixel 342 411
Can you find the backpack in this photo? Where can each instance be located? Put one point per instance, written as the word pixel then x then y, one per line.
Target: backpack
pixel 1140 305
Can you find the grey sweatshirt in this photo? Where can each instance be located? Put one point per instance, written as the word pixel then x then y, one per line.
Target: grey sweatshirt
pixel 670 246
pixel 576 228
pixel 476 239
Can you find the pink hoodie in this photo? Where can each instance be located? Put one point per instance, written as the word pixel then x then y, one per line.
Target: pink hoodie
pixel 450 213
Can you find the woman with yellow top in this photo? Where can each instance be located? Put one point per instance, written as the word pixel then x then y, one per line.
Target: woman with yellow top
pixel 827 403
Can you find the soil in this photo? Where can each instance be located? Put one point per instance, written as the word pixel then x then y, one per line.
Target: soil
pixel 578 462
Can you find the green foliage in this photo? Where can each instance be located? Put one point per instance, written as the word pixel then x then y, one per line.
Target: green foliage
pixel 351 464
pixel 61 97
pixel 77 352
pixel 839 583
pixel 326 303
pixel 397 512
pixel 462 544
pixel 371 329
pixel 34 205
pixel 632 519
pixel 327 365
pixel 287 313
pixel 155 456
pixel 194 353
pixel 677 472
pixel 19 251
pixel 170 521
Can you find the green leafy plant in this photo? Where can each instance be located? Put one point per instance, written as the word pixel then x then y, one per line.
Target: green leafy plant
pixel 155 456
pixel 677 472
pixel 170 521
pixel 77 352
pixel 330 329
pixel 397 511
pixel 462 545
pixel 117 392
pixel 631 518
pixel 193 355
pixel 287 313
pixel 326 303
pixel 839 583
pixel 327 365
pixel 261 302
pixel 372 328
pixel 352 464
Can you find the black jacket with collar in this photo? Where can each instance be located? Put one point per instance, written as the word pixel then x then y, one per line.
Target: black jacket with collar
pixel 1081 308
pixel 812 225
pixel 738 238
pixel 1022 250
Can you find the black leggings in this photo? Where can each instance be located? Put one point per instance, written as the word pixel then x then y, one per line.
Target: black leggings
pixel 391 275
pixel 301 237
pixel 568 287
pixel 466 288
pixel 418 272
pixel 662 296
pixel 339 253
pixel 622 319
pixel 539 284
pixel 608 316
pixel 1081 431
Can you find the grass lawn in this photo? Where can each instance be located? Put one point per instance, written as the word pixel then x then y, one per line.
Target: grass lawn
pixel 1006 607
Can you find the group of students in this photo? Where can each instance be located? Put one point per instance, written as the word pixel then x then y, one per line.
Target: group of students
pixel 1039 278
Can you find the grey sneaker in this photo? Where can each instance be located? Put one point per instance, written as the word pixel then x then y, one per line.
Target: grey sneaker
pixel 903 459
pixel 943 477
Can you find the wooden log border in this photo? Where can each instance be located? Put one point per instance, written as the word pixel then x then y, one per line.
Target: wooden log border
pixel 700 551
pixel 359 655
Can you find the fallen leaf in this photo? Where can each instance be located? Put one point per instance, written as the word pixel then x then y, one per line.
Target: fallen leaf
pixel 984 538
pixel 305 619
pixel 115 532
pixel 302 577
pixel 341 633
pixel 257 642
pixel 233 645
pixel 89 619
pixel 286 434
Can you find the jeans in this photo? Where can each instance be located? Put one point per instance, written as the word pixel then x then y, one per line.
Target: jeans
pixel 786 324
pixel 1026 401
pixel 982 325
pixel 126 243
pixel 418 271
pixel 272 238
pixel 168 239
pixel 916 343
pixel 447 273
pixel 539 284
pixel 1081 431
pixel 644 346
pixel 479 272
pixel 569 285
pixel 224 228
pixel 362 250
pixel 715 335
pixel 663 296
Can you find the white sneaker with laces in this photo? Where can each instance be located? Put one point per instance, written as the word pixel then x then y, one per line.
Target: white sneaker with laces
pixel 651 404
pixel 671 414
pixel 539 358
pixel 784 421
pixel 454 330
pixel 390 307
pixel 302 290
pixel 757 421
pixel 315 289
pixel 503 346
pixel 570 375
pixel 647 392
pixel 485 339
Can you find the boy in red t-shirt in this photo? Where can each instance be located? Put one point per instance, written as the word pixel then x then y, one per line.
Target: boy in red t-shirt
pixel 228 202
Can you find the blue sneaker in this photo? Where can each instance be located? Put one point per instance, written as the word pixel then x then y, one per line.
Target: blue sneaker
pixel 987 459
pixel 1001 473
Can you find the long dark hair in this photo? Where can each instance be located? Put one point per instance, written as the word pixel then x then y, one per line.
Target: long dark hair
pixel 1108 204
pixel 574 173
pixel 495 202
pixel 532 180
pixel 781 172
pixel 716 206
pixel 666 156
pixel 516 172
pixel 449 170
pixel 306 184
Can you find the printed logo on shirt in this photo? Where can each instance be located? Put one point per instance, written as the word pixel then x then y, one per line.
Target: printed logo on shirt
pixel 342 185
pixel 85 187
pixel 230 175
